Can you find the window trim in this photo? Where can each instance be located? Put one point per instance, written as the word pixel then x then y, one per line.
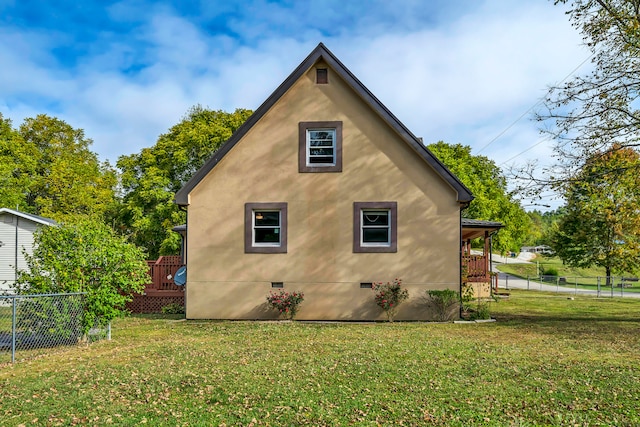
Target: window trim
pixel 358 246
pixel 303 147
pixel 249 244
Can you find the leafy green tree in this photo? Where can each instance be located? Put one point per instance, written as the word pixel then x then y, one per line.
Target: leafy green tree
pixel 602 222
pixel 492 200
pixel 46 168
pixel 85 256
pixel 151 178
pixel 17 167
pixel 543 226
pixel 67 178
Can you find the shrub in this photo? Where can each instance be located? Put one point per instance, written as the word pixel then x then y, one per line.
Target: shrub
pixel 286 302
pixel 86 256
pixel 389 295
pixel 551 271
pixel 480 311
pixel 173 308
pixel 443 301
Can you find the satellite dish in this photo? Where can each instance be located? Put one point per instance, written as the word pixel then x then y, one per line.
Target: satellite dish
pixel 181 276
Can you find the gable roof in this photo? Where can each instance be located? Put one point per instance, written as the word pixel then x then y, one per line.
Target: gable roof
pixel 31 217
pixel 321 52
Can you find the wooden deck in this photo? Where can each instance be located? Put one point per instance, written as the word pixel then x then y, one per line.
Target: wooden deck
pixel 161 291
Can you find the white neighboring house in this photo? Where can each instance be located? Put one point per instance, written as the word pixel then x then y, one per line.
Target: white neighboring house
pixel 16 234
pixel 542 249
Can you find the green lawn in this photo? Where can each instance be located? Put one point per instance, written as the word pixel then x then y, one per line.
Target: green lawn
pixel 547 360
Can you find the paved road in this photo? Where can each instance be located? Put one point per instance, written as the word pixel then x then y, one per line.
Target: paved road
pixel 507 281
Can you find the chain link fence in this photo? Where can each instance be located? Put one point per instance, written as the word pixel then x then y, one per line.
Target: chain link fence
pixel 612 286
pixel 31 324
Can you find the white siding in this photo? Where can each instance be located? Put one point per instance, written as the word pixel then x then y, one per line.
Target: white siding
pixel 25 230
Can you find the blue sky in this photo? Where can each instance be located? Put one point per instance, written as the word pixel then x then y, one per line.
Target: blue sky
pixel 462 71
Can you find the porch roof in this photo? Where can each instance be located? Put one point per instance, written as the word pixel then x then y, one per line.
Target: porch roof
pixel 472 228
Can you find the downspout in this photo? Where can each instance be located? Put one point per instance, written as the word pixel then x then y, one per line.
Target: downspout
pixel 184 252
pixel 184 242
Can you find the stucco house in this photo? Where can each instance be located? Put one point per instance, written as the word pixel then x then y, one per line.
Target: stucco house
pixel 323 190
pixel 16 235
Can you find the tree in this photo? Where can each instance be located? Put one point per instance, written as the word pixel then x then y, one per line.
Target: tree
pixel 492 200
pixel 68 179
pixel 602 222
pixel 151 178
pixel 591 113
pixel 17 167
pixel 543 226
pixel 48 169
pixel 85 255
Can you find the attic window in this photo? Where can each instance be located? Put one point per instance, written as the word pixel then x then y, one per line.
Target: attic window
pixel 322 76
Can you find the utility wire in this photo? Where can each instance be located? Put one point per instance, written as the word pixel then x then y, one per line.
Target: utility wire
pixel 535 105
pixel 524 151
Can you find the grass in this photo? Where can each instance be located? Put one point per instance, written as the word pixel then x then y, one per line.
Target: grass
pixel 546 361
pixel 583 278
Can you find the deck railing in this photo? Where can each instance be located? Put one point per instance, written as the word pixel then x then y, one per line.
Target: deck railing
pixel 162 291
pixel 162 272
pixel 476 267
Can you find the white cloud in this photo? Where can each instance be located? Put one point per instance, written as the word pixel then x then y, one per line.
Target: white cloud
pixel 462 81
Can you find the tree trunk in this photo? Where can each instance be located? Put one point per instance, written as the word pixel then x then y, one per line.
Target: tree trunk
pixel 608 273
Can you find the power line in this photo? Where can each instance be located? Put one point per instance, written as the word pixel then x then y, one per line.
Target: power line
pixel 535 105
pixel 524 151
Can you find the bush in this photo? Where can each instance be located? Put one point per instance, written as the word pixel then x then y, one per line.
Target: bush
pixel 173 308
pixel 85 256
pixel 286 302
pixel 481 311
pixel 388 296
pixel 551 271
pixel 443 301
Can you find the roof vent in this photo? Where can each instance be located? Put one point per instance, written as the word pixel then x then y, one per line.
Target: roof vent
pixel 322 76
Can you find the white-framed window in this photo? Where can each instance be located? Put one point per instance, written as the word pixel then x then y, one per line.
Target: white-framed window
pixel 375 227
pixel 265 228
pixel 320 147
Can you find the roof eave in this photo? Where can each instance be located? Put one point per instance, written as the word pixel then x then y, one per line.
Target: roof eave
pixel 464 195
pixel 34 218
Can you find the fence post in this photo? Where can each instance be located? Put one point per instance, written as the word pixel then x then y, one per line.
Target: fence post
pixel 576 286
pixel 527 282
pixel 557 284
pixel 611 281
pixel 598 286
pixel 109 331
pixel 13 331
pixel 506 279
pixel 621 283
